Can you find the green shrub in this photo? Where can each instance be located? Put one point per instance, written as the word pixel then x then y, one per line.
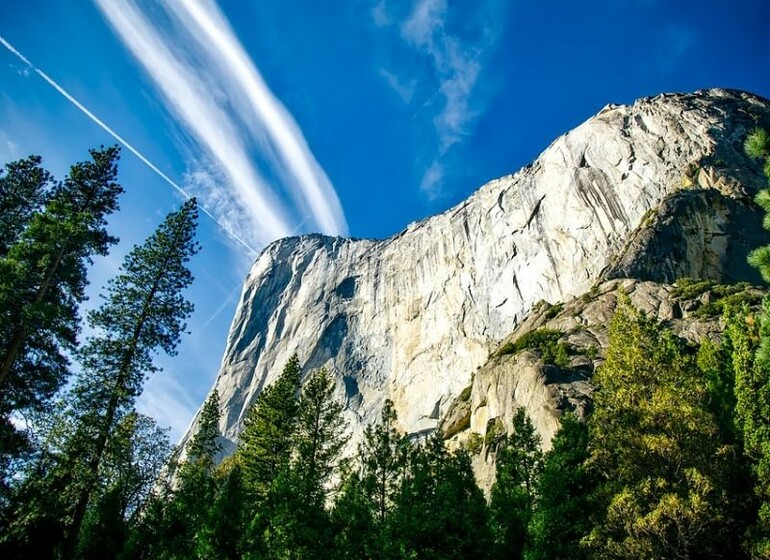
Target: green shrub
pixel 465 396
pixel 494 430
pixel 591 352
pixel 474 443
pixel 545 341
pixel 689 288
pixel 554 310
pixel 722 295
pixel 725 296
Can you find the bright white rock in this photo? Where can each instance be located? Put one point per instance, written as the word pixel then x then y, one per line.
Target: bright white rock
pixel 411 317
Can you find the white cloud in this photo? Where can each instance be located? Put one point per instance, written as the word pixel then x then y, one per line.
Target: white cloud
pixel 168 402
pixel 380 15
pixel 404 90
pixel 234 233
pixel 202 73
pixel 425 21
pixel 263 113
pixel 455 64
pixel 431 179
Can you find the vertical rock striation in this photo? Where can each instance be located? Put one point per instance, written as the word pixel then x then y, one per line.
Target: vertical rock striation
pixel 656 190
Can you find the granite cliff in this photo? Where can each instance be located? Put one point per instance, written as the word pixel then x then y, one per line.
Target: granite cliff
pixel 655 191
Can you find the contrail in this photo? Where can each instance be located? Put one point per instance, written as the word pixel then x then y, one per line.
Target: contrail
pixel 120 139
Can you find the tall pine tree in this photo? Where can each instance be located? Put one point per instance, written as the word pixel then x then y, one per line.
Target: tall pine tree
pixel 24 186
pixel 519 462
pixel 175 518
pixel 439 511
pixel 43 273
pixel 297 524
pixel 561 516
pixel 144 312
pixel 264 456
pixel 268 431
pixel 752 382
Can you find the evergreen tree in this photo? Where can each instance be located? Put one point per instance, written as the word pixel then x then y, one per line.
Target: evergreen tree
pixel 720 365
pixel 264 455
pixel 353 520
pixel 439 511
pixel 383 454
pixel 184 514
pixel 656 447
pixel 136 454
pixel 204 445
pixel 369 491
pixel 752 382
pixel 561 515
pixel 221 537
pixel 24 185
pixel 298 524
pixel 268 431
pixel 290 518
pixel 320 438
pixel 144 311
pixel 519 462
pixel 43 272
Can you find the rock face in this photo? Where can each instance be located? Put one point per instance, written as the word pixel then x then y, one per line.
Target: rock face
pixel 484 411
pixel 657 190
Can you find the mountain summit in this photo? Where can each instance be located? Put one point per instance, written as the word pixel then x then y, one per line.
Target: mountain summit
pixel 656 190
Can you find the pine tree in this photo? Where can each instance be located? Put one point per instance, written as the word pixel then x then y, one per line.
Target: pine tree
pixel 383 458
pixel 205 445
pixel 752 383
pixel 352 518
pixel 728 372
pixel 137 452
pixel 144 311
pixel 519 462
pixel 369 491
pixel 297 523
pixel 268 431
pixel 439 511
pixel 221 536
pixel 43 275
pixel 24 186
pixel 321 436
pixel 264 455
pixel 561 516
pixel 186 513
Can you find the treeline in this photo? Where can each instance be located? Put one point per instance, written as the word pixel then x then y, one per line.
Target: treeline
pixel 75 457
pixel 671 464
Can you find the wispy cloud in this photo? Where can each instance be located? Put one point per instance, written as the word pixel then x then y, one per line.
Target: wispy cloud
pixel 64 93
pixel 455 61
pixel 210 85
pixel 263 113
pixel 169 403
pixel 404 90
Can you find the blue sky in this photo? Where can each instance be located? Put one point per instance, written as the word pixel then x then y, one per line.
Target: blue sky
pixel 347 117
